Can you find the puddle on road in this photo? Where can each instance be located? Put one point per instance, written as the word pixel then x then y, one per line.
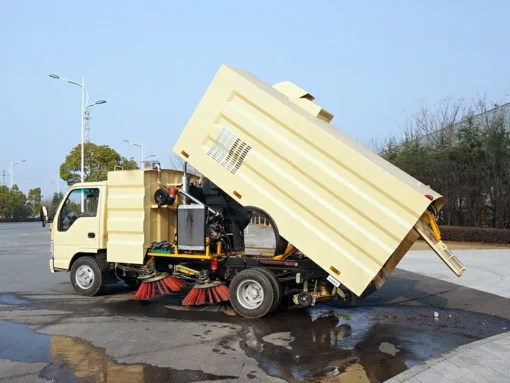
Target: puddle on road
pixel 362 344
pixel 75 360
pixel 11 299
pixel 324 343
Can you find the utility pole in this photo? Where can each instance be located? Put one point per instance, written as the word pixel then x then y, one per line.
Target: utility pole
pixel 3 176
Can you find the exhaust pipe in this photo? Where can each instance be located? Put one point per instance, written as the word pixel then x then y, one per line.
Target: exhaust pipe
pixel 185 185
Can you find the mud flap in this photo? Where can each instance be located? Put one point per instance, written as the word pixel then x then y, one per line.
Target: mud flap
pixel 432 237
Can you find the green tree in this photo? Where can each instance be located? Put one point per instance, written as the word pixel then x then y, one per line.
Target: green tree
pixel 55 202
pixel 465 157
pixel 98 161
pixel 15 204
pixel 4 191
pixel 34 200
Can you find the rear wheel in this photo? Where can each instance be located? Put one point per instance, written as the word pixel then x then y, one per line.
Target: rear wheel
pixel 252 293
pixel 277 287
pixel 86 276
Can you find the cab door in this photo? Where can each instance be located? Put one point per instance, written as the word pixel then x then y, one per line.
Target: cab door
pixel 77 225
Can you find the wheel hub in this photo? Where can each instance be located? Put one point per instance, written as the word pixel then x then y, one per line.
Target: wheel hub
pixel 84 277
pixel 250 294
pixel 253 292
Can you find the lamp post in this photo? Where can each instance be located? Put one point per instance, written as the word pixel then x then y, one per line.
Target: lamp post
pixel 98 102
pixel 57 182
pixel 14 164
pixel 140 146
pixel 84 104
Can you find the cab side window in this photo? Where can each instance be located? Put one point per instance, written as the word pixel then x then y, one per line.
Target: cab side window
pixel 73 210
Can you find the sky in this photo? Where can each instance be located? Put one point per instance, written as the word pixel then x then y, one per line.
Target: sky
pixel 370 63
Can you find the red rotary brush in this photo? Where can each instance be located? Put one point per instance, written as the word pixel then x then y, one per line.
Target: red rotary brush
pixel 162 284
pixel 215 292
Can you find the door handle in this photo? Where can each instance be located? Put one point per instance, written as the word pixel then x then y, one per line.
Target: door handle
pixel 92 235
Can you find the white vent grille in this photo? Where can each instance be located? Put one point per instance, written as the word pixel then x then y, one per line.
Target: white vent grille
pixel 229 151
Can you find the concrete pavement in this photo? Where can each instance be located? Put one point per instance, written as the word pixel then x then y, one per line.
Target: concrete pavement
pixel 486 270
pixel 49 333
pixel 486 360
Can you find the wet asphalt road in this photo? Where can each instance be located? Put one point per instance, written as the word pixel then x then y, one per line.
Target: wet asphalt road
pixel 48 333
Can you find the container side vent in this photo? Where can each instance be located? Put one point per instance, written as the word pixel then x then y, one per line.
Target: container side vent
pixel 229 151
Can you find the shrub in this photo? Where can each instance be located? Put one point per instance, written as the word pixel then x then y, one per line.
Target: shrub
pixel 475 234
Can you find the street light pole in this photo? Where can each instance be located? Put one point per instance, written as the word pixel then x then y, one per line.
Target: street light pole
pixel 84 102
pixel 82 131
pixel 140 146
pixel 57 182
pixel 14 164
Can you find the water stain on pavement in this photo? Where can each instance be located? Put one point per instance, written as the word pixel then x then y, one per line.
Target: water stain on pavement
pixel 11 299
pixel 344 344
pixel 327 343
pixel 74 360
pixel 370 345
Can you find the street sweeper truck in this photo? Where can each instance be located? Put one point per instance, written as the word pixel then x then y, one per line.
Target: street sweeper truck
pixel 342 216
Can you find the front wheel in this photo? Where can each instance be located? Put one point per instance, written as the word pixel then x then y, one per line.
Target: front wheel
pixel 252 293
pixel 86 276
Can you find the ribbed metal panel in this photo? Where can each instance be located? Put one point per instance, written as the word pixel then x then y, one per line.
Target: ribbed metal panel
pixel 339 203
pixel 128 217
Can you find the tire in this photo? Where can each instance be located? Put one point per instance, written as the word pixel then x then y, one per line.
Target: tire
pixel 252 306
pixel 86 276
pixel 277 286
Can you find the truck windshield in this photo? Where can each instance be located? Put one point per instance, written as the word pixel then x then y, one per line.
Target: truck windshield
pixel 72 208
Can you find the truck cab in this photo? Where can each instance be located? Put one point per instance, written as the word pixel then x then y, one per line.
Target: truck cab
pixel 78 227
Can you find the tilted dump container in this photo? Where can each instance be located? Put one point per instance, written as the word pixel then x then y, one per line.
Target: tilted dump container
pixel 349 210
